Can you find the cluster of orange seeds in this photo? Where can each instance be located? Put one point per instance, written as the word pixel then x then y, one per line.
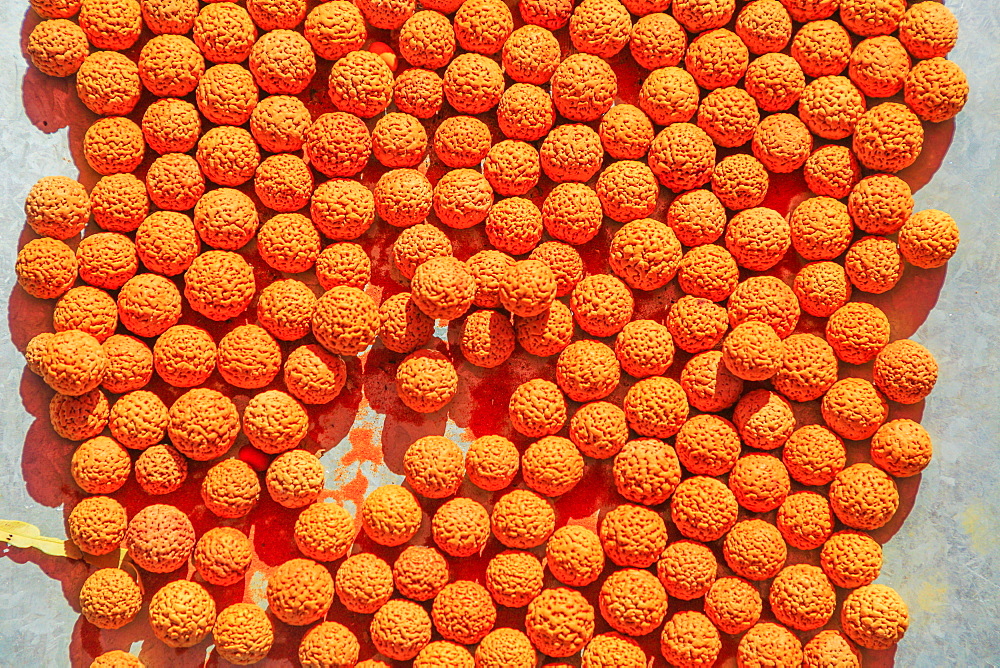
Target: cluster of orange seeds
pixel 232 164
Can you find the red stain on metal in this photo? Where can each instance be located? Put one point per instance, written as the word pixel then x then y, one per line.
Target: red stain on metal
pixel 353 491
pixel 363 447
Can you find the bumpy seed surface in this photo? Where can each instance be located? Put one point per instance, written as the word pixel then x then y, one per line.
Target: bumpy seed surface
pixel 108 82
pixel 230 488
pixel 522 519
pixel 426 381
pixel 492 462
pixel 755 549
pixel 364 583
pixel 830 647
pixel 81 417
pixel 100 465
pixel 587 370
pixel 462 141
pixel 243 634
pixel 487 338
pixel 830 107
pixel 851 559
pixel 657 41
pixel 905 371
pixel 159 538
pixel 760 482
pixel 473 83
pixel 901 447
pixel 295 479
pixel 444 653
pixel 390 515
pixel 822 288
pixel 574 555
pixel 334 29
pixel 552 466
pixel 138 419
pixel 888 137
pixel 928 239
pixel 703 508
pixel 717 58
pixel 400 629
pixel 514 578
pixel 418 92
pixel 399 140
pixel 73 362
pixel 814 455
pixel 687 569
pixel 644 348
pixel 875 616
pixel 175 182
pixel 753 351
pixel 57 47
pixel 361 84
pixel 119 202
pixel 765 27
pixel 222 556
pixel 805 520
pixel 116 658
pixel 505 647
pixel 420 572
pixel 928 31
pixel 864 497
pixel 769 644
pixel 249 357
pixel 682 156
pixel 646 471
pixel 346 320
pixel 854 408
pixel 879 65
pixel 461 527
pixel 462 198
pixel 537 408
pixel 433 466
pixel 775 81
pixel 110 598
pixel 733 605
pixel 404 327
pixel 97 525
pixel 633 535
pixel 832 171
pixel 282 62
pixel 338 144
pixel 274 422
pixel 463 612
pixel 560 622
pixel 300 592
pixel 782 142
pixel 633 601
pixel 583 87
pixel 802 597
pixel 571 152
pixel 531 54
pixel 709 384
pixel 160 469
pixel 708 445
pixel 203 424
pixel 285 309
pixel 700 15
pixel 689 638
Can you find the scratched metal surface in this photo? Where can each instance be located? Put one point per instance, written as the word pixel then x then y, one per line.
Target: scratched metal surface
pixel 944 559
